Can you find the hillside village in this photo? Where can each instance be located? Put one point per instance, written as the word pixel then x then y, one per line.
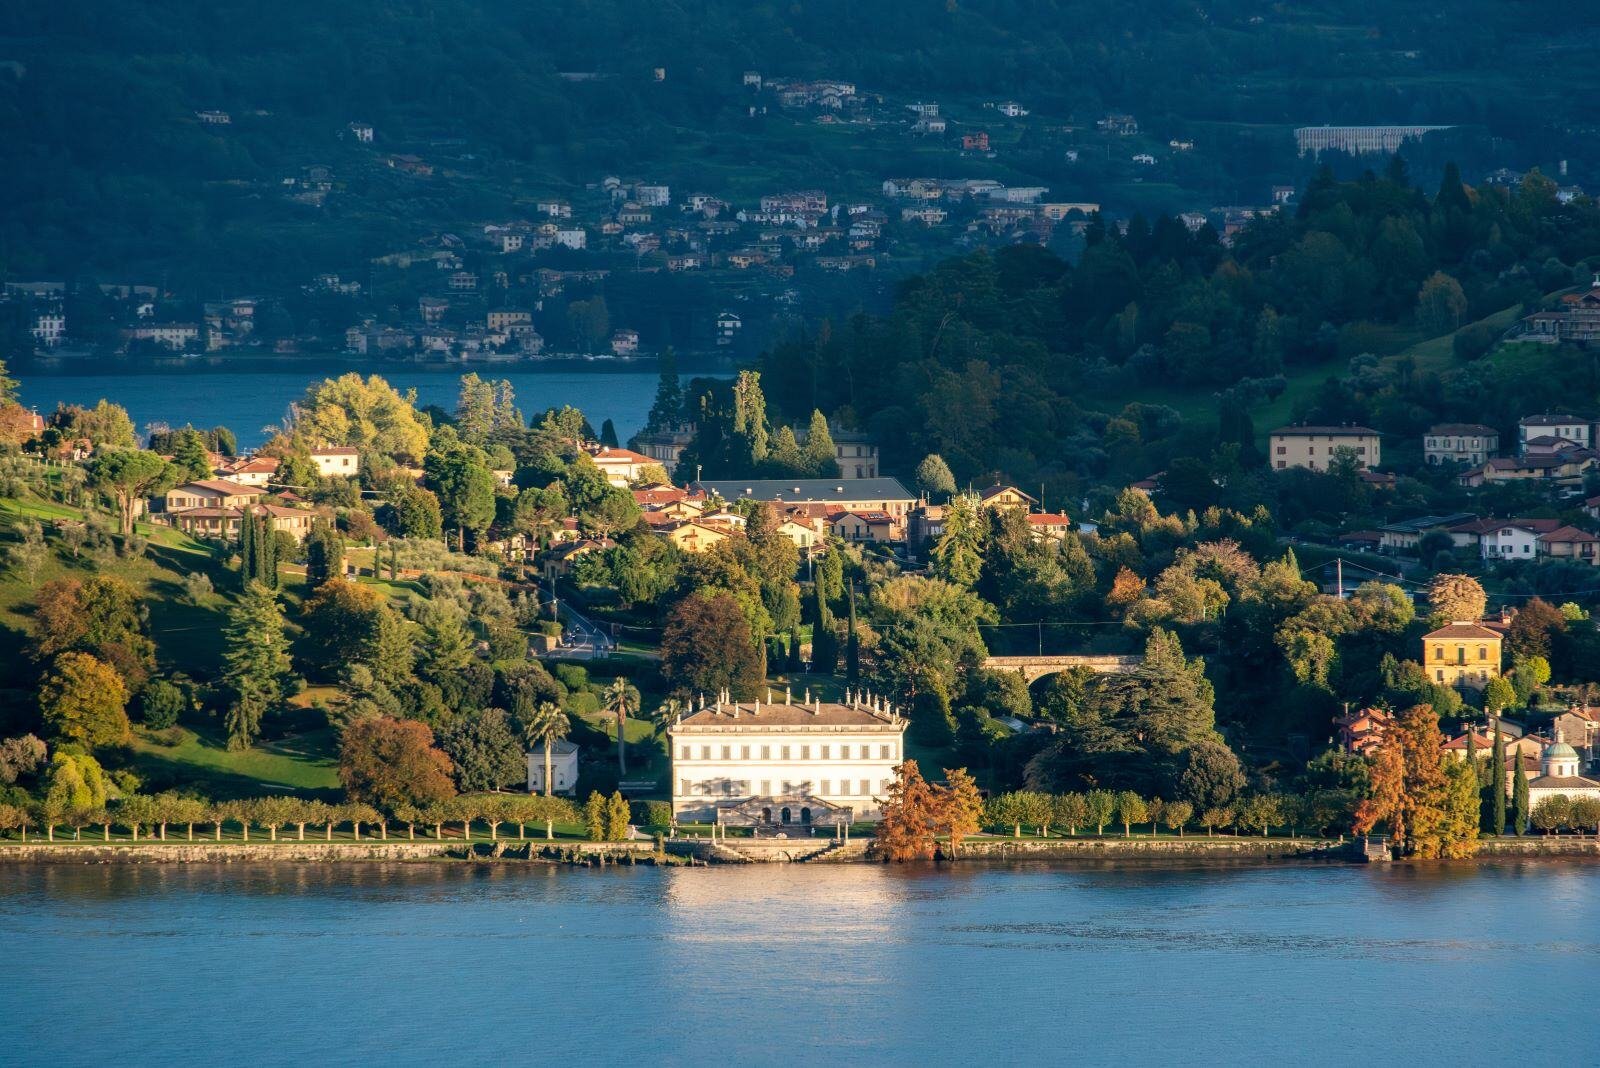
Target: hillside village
pixel 562 277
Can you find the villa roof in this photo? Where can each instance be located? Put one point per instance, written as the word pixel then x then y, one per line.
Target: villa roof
pixel 1352 430
pixel 1551 419
pixel 221 485
pixel 1568 534
pixel 1463 631
pixel 1563 782
pixel 1461 428
pixel 754 715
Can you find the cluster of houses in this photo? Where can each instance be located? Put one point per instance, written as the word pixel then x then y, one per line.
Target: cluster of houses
pixel 1563 760
pixel 1467 654
pixel 215 508
pixel 1554 449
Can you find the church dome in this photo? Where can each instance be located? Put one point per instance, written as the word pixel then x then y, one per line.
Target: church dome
pixel 1560 751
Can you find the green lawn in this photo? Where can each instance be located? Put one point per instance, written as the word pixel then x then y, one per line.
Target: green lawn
pixel 304 764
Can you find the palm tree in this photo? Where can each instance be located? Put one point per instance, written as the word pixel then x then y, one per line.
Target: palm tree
pixel 621 698
pixel 545 726
pixel 670 710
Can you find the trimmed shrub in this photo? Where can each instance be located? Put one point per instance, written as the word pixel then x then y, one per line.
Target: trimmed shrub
pixel 651 813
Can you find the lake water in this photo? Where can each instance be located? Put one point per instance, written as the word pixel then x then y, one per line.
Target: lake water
pixel 812 964
pixel 248 401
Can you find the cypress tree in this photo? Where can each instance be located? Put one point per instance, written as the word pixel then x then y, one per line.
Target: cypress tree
pixel 1519 800
pixel 824 643
pixel 266 552
pixel 794 650
pixel 852 648
pixel 247 550
pixel 1497 783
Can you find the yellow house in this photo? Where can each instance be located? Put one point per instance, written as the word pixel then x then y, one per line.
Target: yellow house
pixel 693 537
pixel 1314 447
pixel 1462 654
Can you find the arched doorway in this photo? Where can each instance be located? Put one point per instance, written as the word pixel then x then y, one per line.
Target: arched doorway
pixel 766 815
pixel 805 815
pixel 786 815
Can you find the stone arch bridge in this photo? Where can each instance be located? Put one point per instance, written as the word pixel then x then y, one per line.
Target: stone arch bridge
pixel 1034 668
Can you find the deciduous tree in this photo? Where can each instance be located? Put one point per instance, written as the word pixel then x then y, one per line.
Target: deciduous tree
pixel 391 764
pixel 84 699
pixel 128 476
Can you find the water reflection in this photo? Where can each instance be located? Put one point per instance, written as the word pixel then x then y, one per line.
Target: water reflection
pixel 448 963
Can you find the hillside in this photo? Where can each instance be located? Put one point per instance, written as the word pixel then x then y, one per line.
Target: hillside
pixel 114 172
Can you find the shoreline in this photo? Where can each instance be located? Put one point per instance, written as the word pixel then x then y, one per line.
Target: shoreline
pixel 704 853
pixel 71 367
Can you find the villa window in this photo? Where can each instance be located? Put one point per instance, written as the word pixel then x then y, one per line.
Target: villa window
pixel 866 788
pixel 1483 652
pixel 824 757
pixel 705 752
pixel 727 752
pixel 785 752
pixel 766 752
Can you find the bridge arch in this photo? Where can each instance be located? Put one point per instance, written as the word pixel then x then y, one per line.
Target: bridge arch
pixel 1034 668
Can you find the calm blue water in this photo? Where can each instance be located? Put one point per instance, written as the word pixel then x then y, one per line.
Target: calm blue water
pixel 248 401
pixel 850 965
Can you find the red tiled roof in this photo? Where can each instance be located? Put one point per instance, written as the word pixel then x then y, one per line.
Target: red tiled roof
pixel 1462 631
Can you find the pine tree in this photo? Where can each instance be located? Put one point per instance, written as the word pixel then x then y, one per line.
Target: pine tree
pixel 608 434
pixel 1519 800
pixel 852 645
pixel 255 663
pixel 1497 783
pixel 324 554
pixel 667 411
pixel 822 456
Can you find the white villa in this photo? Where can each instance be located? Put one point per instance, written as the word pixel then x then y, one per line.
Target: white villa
pixel 785 765
pixel 563 768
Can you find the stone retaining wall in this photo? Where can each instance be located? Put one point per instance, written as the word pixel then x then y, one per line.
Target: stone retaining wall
pixel 1540 846
pixel 312 852
pixel 1140 848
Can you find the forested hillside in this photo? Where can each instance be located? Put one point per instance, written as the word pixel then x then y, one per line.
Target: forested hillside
pixel 109 169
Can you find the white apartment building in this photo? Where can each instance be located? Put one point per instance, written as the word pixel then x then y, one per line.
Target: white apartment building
pixel 1357 140
pixel 336 460
pixel 784 763
pixel 1564 427
pixel 1460 443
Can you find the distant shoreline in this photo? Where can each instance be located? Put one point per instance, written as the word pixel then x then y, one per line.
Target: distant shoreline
pixel 69 367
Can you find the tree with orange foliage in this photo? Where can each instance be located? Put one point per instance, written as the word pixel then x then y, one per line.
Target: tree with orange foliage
pixel 1126 591
pixel 393 764
pixel 911 816
pixel 1415 793
pixel 961 806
